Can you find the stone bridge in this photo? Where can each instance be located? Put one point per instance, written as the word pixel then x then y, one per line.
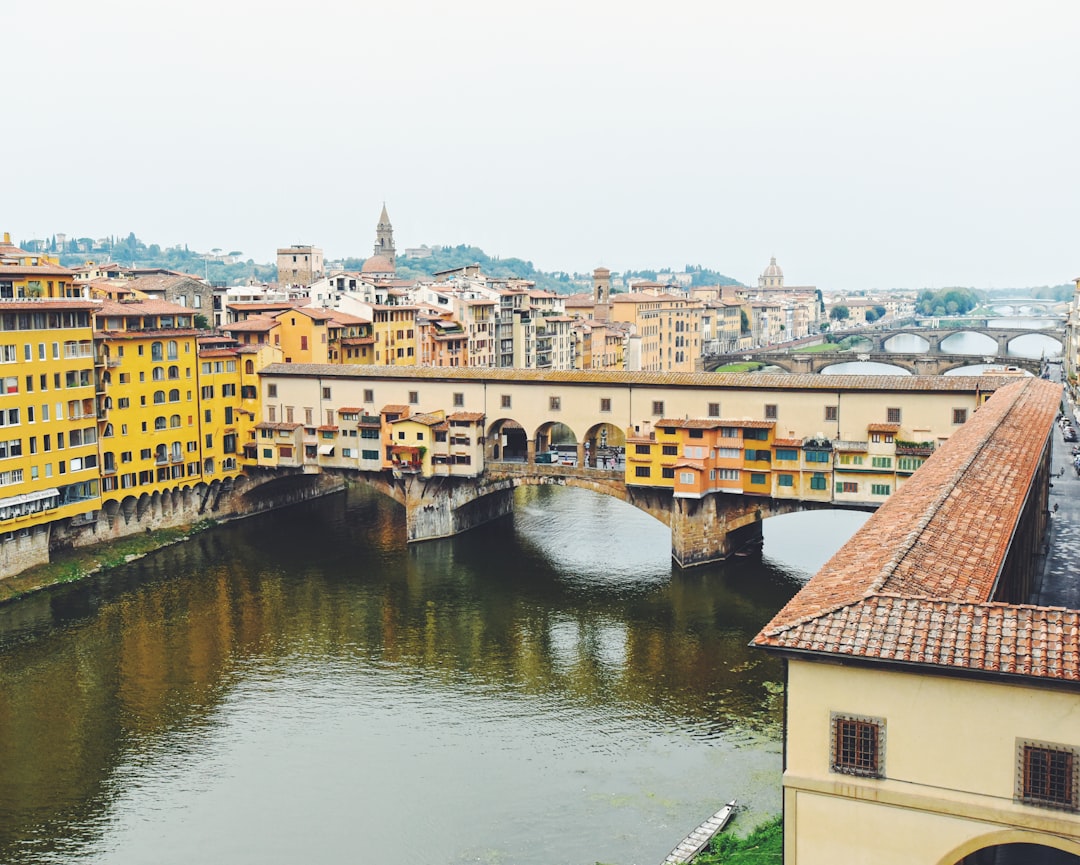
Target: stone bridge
pixel 1003 336
pixel 702 530
pixel 917 364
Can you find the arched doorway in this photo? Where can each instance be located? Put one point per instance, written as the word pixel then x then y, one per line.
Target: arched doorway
pixel 1019 854
pixel 506 441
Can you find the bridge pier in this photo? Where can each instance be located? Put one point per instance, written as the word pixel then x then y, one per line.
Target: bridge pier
pixel 440 507
pixel 714 528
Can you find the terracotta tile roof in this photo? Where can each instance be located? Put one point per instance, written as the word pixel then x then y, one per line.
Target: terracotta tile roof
pixel 47 303
pixel 422 418
pixel 143 307
pixel 788 443
pixel 217 352
pixel 281 426
pixel 349 409
pixel 394 409
pixel 466 415
pixel 692 423
pixel 712 381
pixel 883 427
pixel 916 583
pixel 254 323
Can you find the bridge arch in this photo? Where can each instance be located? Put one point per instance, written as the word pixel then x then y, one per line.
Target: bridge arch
pixel 1015 847
pixel 506 439
pixel 883 342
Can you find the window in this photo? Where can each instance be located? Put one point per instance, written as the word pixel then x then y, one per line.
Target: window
pixel 832 412
pixel 770 411
pixel 817 456
pixel 892 415
pixel 369 395
pixel 658 407
pixel 669 450
pixel 271 390
pixel 459 400
pixel 787 454
pixel 757 478
pixel 554 403
pixel 207 391
pixel 847 487
pixel 882 462
pixel 326 393
pixel 414 397
pixel 858 746
pixel 504 400
pixel 785 480
pixel 605 404
pixel 880 489
pixel 959 415
pixel 642 471
pixel 714 409
pixel 686 478
pixel 1047 775
pixel 818 482
pixel 643 449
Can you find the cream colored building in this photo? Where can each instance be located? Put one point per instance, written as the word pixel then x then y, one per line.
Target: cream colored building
pixel 933 711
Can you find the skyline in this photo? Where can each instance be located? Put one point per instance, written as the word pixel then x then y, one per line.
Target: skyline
pixel 916 147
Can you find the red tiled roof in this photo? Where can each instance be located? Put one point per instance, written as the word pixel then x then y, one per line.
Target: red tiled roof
pixel 466 415
pixel 883 427
pixel 916 583
pixel 143 307
pixel 788 443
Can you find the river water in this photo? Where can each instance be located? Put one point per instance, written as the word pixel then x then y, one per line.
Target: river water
pixel 305 687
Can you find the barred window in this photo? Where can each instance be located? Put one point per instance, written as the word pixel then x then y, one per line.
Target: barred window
pixel 832 412
pixel 892 415
pixel 858 745
pixel 1047 775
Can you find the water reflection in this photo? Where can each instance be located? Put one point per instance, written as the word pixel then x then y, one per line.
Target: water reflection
pixel 305 687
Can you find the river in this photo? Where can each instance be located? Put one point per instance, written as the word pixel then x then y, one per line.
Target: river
pixel 305 687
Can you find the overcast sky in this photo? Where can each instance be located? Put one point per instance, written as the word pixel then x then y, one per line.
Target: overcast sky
pixel 864 144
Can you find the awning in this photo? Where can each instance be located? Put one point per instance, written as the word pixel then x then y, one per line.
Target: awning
pixel 326 450
pixel 23 498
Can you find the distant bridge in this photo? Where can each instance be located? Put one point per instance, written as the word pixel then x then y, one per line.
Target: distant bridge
pixel 917 364
pixel 935 336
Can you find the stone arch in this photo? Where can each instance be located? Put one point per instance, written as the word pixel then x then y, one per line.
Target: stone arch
pixel 990 343
pixel 155 503
pixel 555 434
pixel 1022 846
pixel 891 335
pixel 111 509
pixel 506 440
pixel 606 441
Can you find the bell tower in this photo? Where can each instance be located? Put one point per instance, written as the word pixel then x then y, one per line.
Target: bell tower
pixel 384 237
pixel 601 280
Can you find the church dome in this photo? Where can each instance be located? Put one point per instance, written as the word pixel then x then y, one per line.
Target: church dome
pixel 773 269
pixel 378 264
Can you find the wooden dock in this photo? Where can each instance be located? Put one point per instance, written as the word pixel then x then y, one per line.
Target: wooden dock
pixel 699 839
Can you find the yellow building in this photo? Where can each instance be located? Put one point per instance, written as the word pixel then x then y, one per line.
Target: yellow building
pixel 224 424
pixel 28 275
pixel 48 425
pixel 669 328
pixel 304 334
pixel 394 329
pixel 932 713
pixel 150 422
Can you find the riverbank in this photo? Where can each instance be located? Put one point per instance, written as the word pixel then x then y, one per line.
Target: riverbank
pixel 77 564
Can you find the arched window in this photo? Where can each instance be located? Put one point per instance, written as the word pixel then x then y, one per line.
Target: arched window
pixel 174 395
pixel 161 453
pixel 173 354
pixel 107 403
pixel 159 422
pixel 158 374
pixel 177 452
pixel 110 461
pixel 106 377
pixel 107 433
pixel 159 397
pixel 155 351
pixel 174 421
pixel 174 372
pixel 249 367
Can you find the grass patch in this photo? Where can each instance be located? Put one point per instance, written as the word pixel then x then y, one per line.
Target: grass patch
pixel 763 846
pixel 70 566
pixel 740 367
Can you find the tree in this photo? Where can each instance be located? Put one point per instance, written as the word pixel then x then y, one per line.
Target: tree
pixel 201 321
pixel 839 313
pixel 744 321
